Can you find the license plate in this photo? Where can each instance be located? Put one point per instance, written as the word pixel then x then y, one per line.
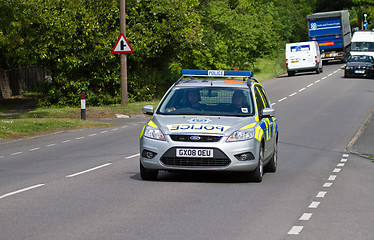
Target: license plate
pixel 360 71
pixel 295 61
pixel 327 55
pixel 192 152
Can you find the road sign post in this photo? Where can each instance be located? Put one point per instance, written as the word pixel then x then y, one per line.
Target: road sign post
pixel 122 46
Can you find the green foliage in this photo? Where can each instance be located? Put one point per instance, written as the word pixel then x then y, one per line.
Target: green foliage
pixel 74 38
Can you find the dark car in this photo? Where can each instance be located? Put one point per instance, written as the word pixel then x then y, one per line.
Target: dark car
pixel 359 66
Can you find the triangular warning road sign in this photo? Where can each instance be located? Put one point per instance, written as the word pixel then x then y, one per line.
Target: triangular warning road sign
pixel 122 45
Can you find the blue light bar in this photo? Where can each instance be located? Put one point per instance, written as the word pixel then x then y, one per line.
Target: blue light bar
pixel 216 73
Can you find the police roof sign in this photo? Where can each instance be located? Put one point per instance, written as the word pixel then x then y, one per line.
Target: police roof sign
pixel 122 45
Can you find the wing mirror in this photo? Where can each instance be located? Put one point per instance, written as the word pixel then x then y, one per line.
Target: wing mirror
pixel 148 109
pixel 268 112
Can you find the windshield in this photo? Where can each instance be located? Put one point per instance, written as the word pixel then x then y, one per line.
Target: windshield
pixel 361 58
pixel 207 101
pixel 363 46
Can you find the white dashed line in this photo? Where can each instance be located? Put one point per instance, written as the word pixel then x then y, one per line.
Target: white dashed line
pixel 94 134
pixel 314 205
pixel 103 131
pixel 136 155
pixel 124 127
pixel 295 230
pixel 50 145
pixel 88 170
pixel 114 129
pixel 78 138
pixel 292 94
pixel 332 178
pixel 344 160
pixel 34 149
pixel 66 141
pixel 16 153
pixel 305 216
pixel 340 165
pixel 310 85
pixel 302 89
pixel 317 81
pixel 336 170
pixel 326 185
pixel 280 100
pixel 321 194
pixel 1 156
pixel 21 190
pixel 345 155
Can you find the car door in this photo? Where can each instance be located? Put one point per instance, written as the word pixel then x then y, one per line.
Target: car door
pixel 266 123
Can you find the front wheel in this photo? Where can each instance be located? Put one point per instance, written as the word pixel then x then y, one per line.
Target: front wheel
pixel 258 173
pixel 148 174
pixel 272 165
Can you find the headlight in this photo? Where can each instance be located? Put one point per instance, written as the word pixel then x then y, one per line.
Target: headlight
pixel 154 133
pixel 242 135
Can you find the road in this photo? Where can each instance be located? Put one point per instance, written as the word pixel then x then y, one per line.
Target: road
pixel 85 184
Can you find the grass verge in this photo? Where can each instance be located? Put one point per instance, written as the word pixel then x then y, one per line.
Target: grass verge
pixel 32 122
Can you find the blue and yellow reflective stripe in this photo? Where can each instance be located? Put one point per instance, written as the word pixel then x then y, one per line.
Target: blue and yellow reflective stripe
pixel 258 133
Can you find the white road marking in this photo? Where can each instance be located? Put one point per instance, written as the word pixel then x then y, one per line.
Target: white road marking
pixel 295 230
pixel 336 170
pixel 16 153
pixel 94 134
pixel 292 94
pixel 34 149
pixel 66 141
pixel 136 155
pixel 326 185
pixel 310 85
pixel 114 129
pixel 302 89
pixel 50 145
pixel 103 131
pixel 321 194
pixel 317 81
pixel 332 178
pixel 305 216
pixel 324 78
pixel 344 160
pixel 345 155
pixel 21 190
pixel 340 165
pixel 88 170
pixel 314 204
pixel 78 138
pixel 280 100
pixel 124 127
pixel 1 156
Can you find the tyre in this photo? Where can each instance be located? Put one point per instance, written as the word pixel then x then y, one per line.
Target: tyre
pixel 258 173
pixel 272 165
pixel 148 174
pixel 291 73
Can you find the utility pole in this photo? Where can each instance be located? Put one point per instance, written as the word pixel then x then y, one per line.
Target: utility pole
pixel 123 56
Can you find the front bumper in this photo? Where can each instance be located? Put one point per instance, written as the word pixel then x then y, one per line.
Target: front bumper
pixel 225 155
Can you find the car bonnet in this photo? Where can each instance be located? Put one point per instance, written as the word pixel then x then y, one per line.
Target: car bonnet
pixel 216 125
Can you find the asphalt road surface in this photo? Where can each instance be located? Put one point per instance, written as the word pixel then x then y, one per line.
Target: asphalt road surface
pixel 85 184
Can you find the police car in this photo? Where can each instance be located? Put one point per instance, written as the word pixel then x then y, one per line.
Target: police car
pixel 211 120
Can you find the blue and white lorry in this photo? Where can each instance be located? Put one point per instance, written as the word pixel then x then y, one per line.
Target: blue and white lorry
pixel 332 31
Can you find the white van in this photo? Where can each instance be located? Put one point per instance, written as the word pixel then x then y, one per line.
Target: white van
pixel 303 57
pixel 362 43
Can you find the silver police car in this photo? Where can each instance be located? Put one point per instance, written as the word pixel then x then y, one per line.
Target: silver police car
pixel 211 120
